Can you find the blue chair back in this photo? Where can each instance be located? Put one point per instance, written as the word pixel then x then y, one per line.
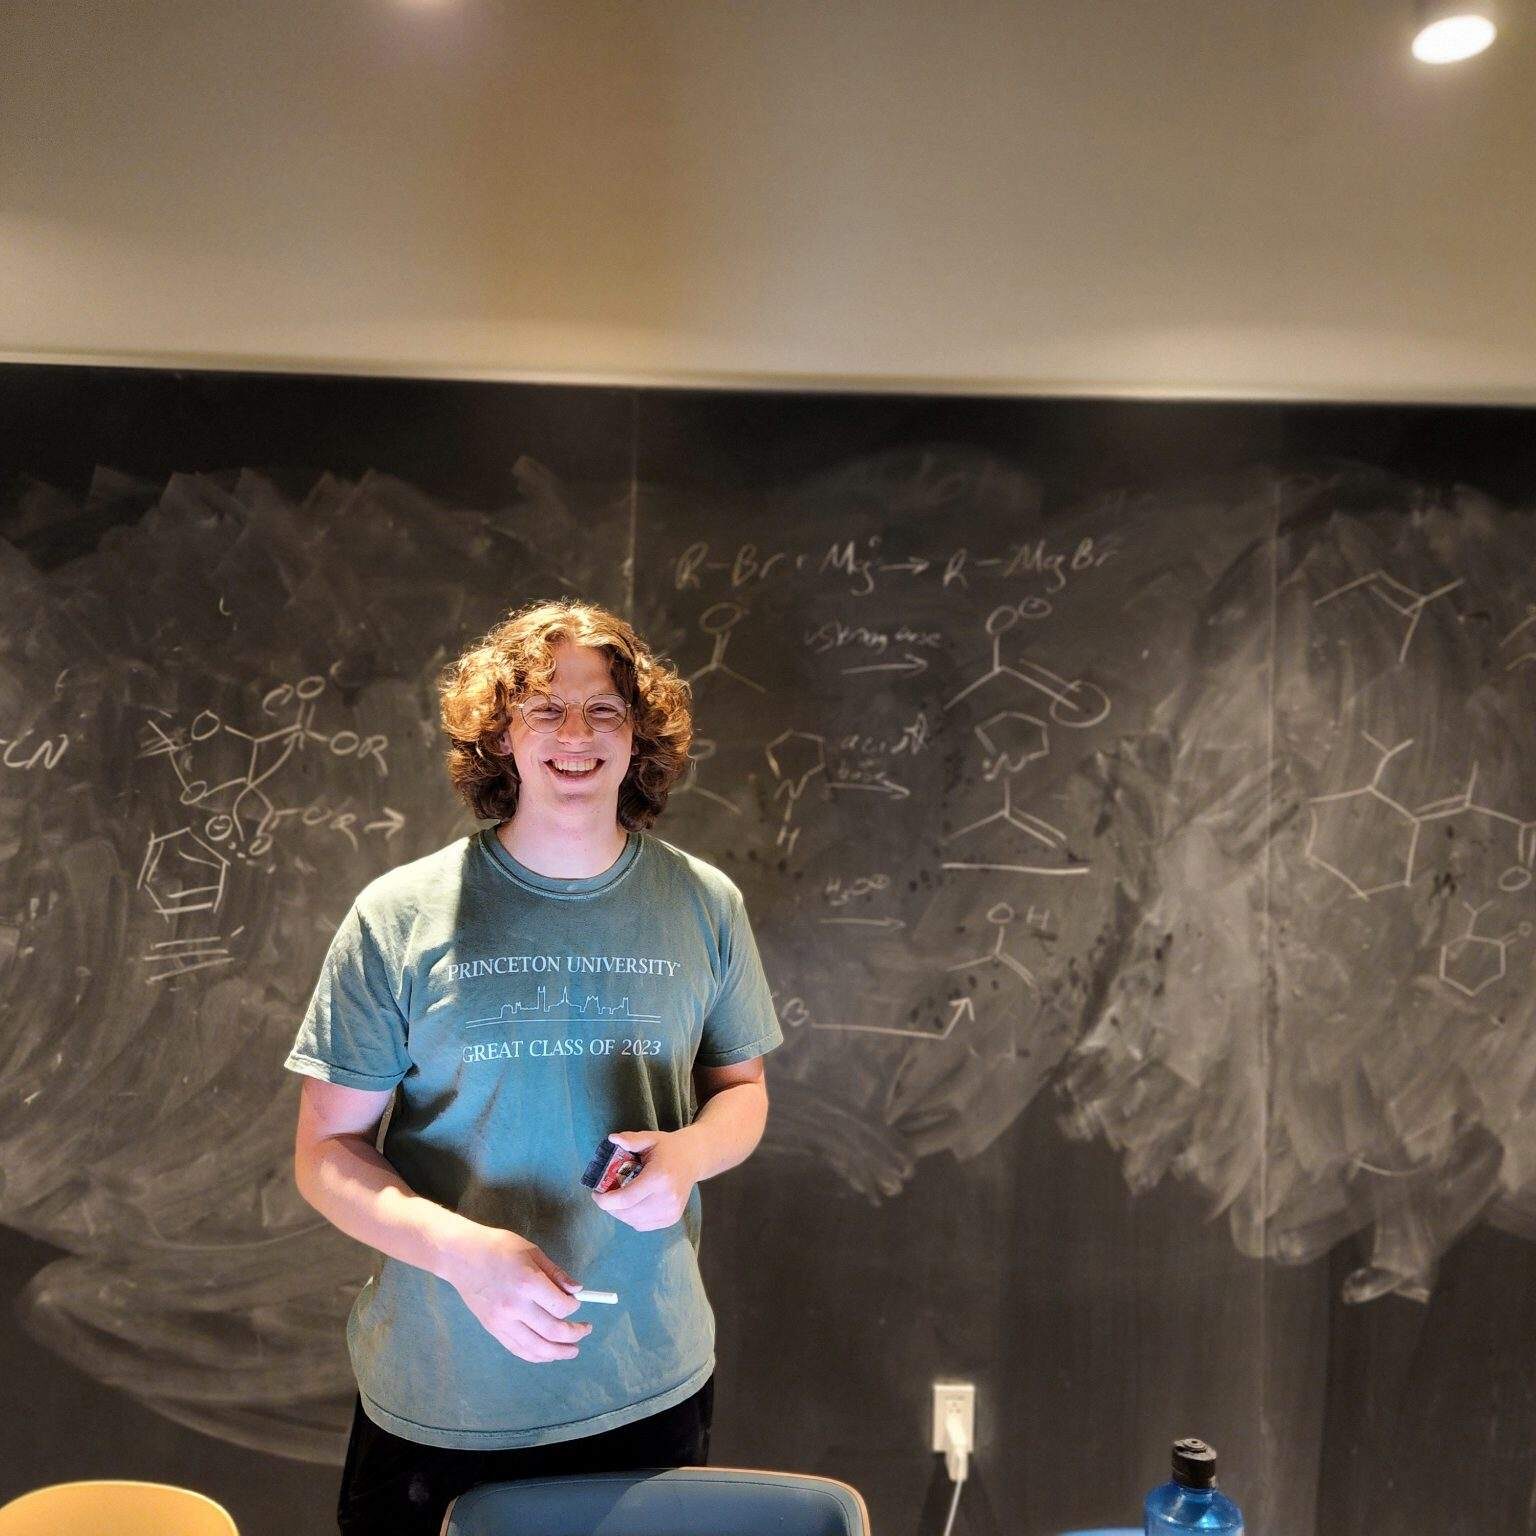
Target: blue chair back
pixel 670 1501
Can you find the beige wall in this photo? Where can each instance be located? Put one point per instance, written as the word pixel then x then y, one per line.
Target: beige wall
pixel 1208 196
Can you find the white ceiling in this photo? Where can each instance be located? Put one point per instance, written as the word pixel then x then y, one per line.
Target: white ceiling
pixel 1166 196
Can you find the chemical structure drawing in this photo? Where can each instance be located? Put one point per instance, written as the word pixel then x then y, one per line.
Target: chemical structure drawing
pixel 1475 961
pixel 1032 826
pixel 795 758
pixel 1012 739
pixel 1030 736
pixel 181 874
pixel 1000 914
pixel 1371 816
pixel 1399 598
pixel 244 818
pixel 717 621
pixel 1074 703
pixel 1350 821
pixel 186 871
pixel 700 750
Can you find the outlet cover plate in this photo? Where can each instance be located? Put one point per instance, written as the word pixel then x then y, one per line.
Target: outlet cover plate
pixel 960 1396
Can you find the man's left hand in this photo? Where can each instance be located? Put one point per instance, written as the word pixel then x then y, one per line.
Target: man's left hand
pixel 657 1195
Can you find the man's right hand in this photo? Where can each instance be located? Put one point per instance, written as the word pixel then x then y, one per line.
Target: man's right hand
pixel 518 1293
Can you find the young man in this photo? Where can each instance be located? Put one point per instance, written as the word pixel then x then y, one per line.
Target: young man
pixel 512 999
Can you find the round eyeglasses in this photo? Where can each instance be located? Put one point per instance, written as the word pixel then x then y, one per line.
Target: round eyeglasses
pixel 606 712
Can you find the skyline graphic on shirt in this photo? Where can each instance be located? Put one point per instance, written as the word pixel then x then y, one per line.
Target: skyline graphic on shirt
pixel 589 1008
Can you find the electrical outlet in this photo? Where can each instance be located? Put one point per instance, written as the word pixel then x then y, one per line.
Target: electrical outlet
pixel 958 1397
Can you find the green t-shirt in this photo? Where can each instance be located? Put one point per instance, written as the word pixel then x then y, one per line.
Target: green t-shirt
pixel 521 1018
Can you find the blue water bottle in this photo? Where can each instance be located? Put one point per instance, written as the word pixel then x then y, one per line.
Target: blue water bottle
pixel 1191 1501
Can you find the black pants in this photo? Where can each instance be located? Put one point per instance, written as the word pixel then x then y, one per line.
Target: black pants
pixel 395 1487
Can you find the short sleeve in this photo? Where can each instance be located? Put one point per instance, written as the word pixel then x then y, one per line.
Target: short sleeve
pixel 353 1031
pixel 742 1021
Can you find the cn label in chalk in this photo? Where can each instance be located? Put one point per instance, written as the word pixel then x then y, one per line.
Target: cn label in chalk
pixel 612 1167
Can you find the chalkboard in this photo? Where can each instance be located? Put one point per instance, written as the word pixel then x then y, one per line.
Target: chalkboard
pixel 1129 801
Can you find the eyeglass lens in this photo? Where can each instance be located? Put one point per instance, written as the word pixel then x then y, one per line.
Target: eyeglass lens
pixel 607 712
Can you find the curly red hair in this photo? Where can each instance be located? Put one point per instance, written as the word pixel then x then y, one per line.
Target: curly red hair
pixel 516 658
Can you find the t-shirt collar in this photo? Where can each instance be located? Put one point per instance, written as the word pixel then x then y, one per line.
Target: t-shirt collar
pixel 552 885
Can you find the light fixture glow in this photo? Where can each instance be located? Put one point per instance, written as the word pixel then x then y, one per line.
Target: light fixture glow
pixel 1452 30
pixel 1454 39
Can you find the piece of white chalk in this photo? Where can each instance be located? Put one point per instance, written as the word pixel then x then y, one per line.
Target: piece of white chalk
pixel 608 1298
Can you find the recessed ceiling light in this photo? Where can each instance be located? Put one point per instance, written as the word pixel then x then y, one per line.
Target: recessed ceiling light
pixel 1452 30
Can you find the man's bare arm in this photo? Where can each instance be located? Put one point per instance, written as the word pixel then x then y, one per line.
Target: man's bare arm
pixel 733 1110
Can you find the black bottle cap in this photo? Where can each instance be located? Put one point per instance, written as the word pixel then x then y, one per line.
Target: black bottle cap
pixel 1194 1464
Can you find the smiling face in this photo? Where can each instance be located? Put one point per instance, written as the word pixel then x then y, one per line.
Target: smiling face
pixel 581 673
